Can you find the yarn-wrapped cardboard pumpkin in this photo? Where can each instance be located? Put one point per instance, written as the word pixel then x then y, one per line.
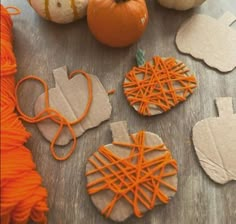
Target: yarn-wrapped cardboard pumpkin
pixel 132 175
pixel 157 86
pixel 180 4
pixel 214 140
pixel 60 11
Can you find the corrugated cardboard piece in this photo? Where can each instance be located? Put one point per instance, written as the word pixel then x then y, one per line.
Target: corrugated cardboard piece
pixel 123 209
pixel 211 40
pixel 215 143
pixel 69 97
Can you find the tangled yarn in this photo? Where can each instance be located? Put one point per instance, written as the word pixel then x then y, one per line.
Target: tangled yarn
pixel 51 113
pixel 22 196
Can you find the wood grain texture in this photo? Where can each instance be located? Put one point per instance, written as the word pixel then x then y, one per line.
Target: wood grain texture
pixel 42 46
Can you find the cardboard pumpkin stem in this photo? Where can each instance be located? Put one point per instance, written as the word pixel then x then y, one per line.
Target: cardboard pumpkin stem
pixel 224 106
pixel 140 59
pixel 60 73
pixel 227 18
pixel 120 131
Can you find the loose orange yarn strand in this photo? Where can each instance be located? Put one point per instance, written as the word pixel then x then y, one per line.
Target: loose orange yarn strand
pixel 157 87
pixel 110 92
pixel 22 196
pixel 132 177
pixel 50 113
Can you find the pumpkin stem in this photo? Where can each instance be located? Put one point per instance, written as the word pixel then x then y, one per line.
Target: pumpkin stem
pixel 140 59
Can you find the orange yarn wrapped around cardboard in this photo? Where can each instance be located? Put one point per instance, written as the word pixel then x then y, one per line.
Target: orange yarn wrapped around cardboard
pixel 157 86
pixel 132 175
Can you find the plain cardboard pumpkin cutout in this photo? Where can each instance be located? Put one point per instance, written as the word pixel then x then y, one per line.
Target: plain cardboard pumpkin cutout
pixel 209 39
pixel 215 143
pixel 128 159
pixel 69 97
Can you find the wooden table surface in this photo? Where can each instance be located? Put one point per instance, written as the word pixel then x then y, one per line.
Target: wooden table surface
pixel 42 46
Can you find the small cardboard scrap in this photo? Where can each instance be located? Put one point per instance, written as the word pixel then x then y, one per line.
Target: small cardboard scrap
pixel 211 40
pixel 69 97
pixel 214 140
pixel 123 209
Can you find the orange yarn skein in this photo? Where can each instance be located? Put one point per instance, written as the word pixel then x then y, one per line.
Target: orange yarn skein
pixel 22 196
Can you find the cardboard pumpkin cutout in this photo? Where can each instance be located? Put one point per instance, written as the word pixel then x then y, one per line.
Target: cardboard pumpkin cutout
pixel 132 175
pixel 214 140
pixel 159 85
pixel 210 40
pixel 70 97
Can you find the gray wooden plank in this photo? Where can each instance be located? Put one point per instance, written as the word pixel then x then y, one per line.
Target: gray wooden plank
pixel 42 46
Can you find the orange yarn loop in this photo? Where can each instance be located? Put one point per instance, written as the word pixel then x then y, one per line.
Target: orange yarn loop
pixel 13 13
pixel 22 196
pixel 163 85
pixel 133 178
pixel 50 113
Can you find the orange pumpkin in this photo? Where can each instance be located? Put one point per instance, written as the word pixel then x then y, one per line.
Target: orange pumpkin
pixel 117 23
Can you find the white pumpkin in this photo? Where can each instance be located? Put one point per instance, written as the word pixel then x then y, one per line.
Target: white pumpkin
pixel 60 11
pixel 181 4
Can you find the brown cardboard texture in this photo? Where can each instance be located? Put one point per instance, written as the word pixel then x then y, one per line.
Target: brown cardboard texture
pixel 214 140
pixel 123 209
pixel 69 97
pixel 209 39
